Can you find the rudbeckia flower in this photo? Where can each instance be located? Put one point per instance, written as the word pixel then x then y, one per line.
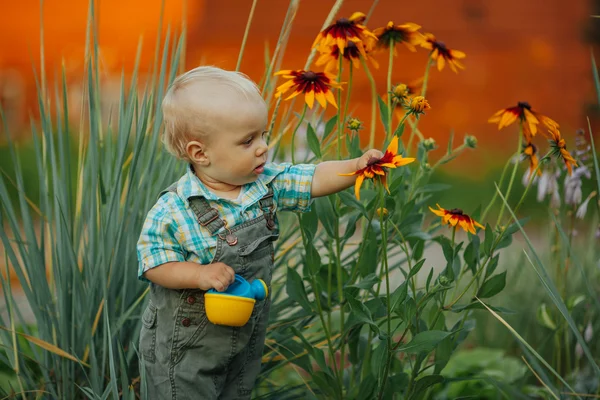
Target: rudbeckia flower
pixel 377 166
pixel 352 53
pixel 440 53
pixel 314 85
pixel 530 154
pixel 527 118
pixel 418 105
pixel 391 34
pixel 457 217
pixel 342 31
pixel 559 149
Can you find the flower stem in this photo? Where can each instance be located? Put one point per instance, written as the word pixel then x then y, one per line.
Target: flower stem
pixel 296 130
pixel 512 177
pixel 389 89
pixel 423 92
pixel 345 115
pixel 383 223
pixel 426 77
pixel 373 102
pixel 340 123
pixel 531 177
pixel 495 196
pixel 250 17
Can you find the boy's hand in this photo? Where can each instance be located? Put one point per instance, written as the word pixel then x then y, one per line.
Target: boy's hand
pixel 217 275
pixel 333 176
pixel 363 160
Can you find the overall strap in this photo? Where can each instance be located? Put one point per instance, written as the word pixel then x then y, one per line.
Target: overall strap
pixel 205 214
pixel 171 188
pixel 266 204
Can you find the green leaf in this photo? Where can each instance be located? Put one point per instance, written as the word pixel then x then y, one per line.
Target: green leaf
pixel 424 341
pixel 313 141
pixel 422 384
pixel 429 277
pixel 544 317
pixel 400 129
pixel 367 260
pixel 450 141
pixel 309 223
pixel 492 286
pixel 415 269
pixel 514 227
pixel 312 257
pixel 295 289
pixel 398 296
pixel 367 282
pixel 361 313
pixel 489 239
pixel 326 214
pixel 492 265
pixel 442 354
pixel 383 112
pixel 471 253
pixel 351 202
pixel 480 306
pixel 378 358
pixel 329 127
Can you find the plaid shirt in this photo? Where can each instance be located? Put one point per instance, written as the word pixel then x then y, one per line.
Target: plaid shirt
pixel 172 233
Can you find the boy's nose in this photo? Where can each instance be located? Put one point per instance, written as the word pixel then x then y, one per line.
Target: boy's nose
pixel 262 148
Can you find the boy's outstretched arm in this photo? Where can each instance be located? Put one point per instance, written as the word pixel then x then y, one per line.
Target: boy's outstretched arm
pixel 327 180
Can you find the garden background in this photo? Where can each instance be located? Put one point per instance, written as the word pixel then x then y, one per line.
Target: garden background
pixel 539 52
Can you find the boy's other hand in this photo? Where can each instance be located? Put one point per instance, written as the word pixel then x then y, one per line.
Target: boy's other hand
pixel 218 276
pixel 363 160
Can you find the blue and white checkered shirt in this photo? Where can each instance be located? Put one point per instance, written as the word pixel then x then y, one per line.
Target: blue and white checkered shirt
pixel 172 233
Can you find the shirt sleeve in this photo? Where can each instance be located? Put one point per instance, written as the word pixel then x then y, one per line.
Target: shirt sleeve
pixel 292 187
pixel 158 242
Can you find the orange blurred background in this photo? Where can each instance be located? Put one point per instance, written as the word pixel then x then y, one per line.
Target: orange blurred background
pixel 531 51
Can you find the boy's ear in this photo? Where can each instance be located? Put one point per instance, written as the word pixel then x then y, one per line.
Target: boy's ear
pixel 196 153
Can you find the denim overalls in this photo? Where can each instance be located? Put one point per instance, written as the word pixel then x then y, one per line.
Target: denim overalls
pixel 185 355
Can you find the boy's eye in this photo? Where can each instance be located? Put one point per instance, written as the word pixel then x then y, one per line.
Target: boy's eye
pixel 248 141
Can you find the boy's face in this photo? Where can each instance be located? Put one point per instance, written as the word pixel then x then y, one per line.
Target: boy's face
pixel 235 151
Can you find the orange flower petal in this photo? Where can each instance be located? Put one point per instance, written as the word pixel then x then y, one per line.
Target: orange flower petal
pixel 357 185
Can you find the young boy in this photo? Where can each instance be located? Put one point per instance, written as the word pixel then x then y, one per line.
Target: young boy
pixel 218 220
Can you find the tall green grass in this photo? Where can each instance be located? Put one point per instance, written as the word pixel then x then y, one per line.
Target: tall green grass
pixel 365 305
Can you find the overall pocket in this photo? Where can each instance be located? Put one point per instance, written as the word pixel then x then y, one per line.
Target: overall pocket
pixel 148 333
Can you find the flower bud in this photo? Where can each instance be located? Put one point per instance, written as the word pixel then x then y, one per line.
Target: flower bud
pixel 354 124
pixel 471 141
pixel 429 144
pixel 384 211
pixel 418 105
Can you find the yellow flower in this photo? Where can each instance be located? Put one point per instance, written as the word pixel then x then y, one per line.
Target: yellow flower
pixel 528 119
pixel 418 105
pixel 352 53
pixel 440 53
pixel 457 217
pixel 342 31
pixel 390 159
pixel 559 149
pixel 314 85
pixel 391 34
pixel 530 154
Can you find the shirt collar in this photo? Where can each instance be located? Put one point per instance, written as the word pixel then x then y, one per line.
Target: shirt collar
pixel 191 186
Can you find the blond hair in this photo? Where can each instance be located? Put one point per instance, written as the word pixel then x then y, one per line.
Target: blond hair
pixel 192 100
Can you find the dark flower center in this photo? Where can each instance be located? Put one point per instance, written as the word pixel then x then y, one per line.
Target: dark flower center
pixel 310 76
pixel 524 104
pixel 343 21
pixel 372 161
pixel 456 211
pixel 441 46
